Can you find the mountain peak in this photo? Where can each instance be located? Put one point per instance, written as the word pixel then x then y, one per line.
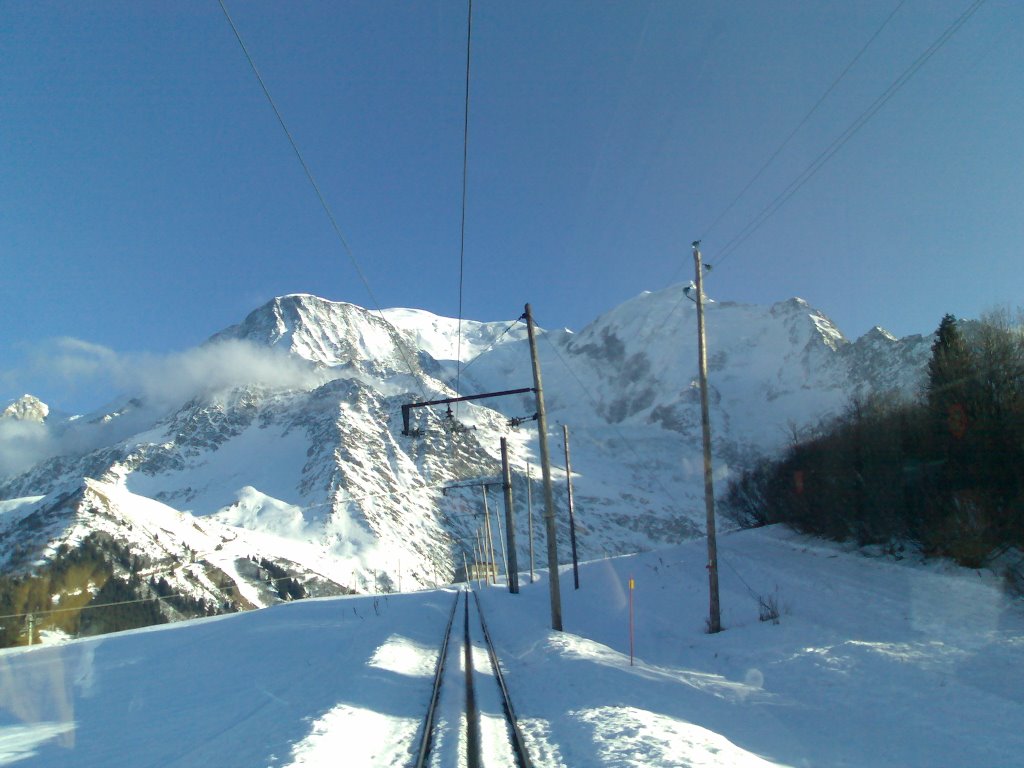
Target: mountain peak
pixel 329 333
pixel 878 332
pixel 26 408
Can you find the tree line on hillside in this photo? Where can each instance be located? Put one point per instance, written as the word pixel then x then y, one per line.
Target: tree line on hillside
pixel 945 470
pixel 61 596
pixel 92 588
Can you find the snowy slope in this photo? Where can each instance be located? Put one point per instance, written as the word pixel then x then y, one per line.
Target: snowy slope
pixel 874 663
pixel 439 336
pixel 203 565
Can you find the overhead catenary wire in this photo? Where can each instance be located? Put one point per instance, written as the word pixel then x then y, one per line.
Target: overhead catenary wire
pixel 851 130
pixel 320 196
pixel 435 390
pixel 465 178
pixel 494 343
pixel 594 403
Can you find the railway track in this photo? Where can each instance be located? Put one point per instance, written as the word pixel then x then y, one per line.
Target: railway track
pixel 470 720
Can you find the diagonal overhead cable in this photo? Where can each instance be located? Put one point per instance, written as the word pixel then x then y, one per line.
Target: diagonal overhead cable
pixel 826 154
pixel 465 176
pixel 803 122
pixel 323 202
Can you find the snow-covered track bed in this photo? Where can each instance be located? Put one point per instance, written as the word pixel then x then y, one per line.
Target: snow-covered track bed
pixel 470 721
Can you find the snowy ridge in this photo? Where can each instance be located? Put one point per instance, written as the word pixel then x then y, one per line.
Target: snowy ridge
pixel 143 540
pixel 26 408
pixel 438 336
pixel 330 334
pixel 319 461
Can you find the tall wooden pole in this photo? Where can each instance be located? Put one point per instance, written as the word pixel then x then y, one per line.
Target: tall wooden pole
pixel 572 515
pixel 481 560
pixel 510 526
pixel 482 576
pixel 545 466
pixel 489 534
pixel 715 617
pixel 529 513
pixel 501 539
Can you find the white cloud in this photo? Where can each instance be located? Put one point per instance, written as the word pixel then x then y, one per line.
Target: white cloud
pixel 173 378
pixel 73 358
pixel 160 382
pixel 203 371
pixel 23 444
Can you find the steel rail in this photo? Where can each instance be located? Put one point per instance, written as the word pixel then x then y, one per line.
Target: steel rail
pixel 428 722
pixel 517 740
pixel 473 756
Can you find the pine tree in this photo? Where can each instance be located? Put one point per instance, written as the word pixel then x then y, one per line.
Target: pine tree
pixel 949 372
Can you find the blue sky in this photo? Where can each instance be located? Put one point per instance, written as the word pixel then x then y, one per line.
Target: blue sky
pixel 148 196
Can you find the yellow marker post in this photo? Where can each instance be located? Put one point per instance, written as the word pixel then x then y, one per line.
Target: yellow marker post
pixel 631 585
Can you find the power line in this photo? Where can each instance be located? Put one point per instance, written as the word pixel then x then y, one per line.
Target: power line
pixel 594 403
pixel 494 343
pixel 90 606
pixel 435 390
pixel 803 122
pixel 465 176
pixel 323 202
pixel 768 211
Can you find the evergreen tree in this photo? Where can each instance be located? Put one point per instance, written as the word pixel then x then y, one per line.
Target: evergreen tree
pixel 947 471
pixel 949 377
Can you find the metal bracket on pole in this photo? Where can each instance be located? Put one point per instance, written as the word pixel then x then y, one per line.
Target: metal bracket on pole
pixel 406 407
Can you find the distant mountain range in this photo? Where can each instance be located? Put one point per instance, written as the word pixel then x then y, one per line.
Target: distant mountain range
pixel 294 471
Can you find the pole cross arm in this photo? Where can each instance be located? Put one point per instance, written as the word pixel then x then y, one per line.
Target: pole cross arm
pixel 409 406
pixel 480 484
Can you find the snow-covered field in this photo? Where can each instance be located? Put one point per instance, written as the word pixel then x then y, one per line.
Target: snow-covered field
pixel 873 663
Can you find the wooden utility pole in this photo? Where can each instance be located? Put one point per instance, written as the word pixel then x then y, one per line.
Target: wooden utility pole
pixel 489 534
pixel 510 527
pixel 572 516
pixel 480 560
pixel 480 572
pixel 500 537
pixel 545 466
pixel 715 618
pixel 529 513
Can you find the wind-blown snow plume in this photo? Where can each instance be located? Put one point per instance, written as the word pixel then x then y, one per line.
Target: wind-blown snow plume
pixel 151 383
pixel 216 367
pixel 23 444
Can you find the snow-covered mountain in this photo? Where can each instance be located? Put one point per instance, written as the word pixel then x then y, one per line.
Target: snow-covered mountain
pixel 304 460
pixel 26 408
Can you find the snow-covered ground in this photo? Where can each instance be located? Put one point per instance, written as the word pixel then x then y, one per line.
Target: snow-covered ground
pixel 873 663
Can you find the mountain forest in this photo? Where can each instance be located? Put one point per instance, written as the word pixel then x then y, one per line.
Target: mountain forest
pixel 944 470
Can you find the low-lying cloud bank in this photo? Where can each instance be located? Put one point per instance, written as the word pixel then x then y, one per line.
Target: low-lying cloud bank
pixel 154 383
